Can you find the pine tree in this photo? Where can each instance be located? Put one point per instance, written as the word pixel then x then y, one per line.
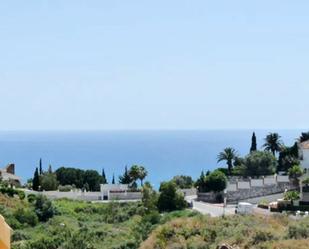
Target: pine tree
pixel 41 169
pixel 104 181
pixel 113 181
pixel 253 143
pixel 36 180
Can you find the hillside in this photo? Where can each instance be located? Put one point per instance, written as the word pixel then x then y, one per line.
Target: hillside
pixel 67 224
pixel 80 225
pixel 254 232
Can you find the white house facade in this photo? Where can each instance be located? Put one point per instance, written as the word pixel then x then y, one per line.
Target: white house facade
pixel 304 155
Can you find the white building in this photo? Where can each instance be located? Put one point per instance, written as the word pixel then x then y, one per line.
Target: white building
pixel 304 155
pixel 108 189
pixel 119 192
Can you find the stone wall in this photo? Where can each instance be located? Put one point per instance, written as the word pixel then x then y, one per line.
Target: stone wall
pixel 89 196
pixel 241 188
pixel 126 196
pixel 189 191
pixel 242 194
pixel 210 197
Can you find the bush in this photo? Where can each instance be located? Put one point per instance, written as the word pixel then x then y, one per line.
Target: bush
pixel 298 231
pixel 31 198
pixel 169 198
pixel 21 194
pixel 26 216
pixel 44 208
pixel 260 163
pixel 183 182
pixel 262 236
pixel 49 182
pixel 19 235
pixel 215 181
pixel 65 188
pixel 291 196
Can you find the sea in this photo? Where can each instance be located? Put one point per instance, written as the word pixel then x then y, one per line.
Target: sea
pixel 164 153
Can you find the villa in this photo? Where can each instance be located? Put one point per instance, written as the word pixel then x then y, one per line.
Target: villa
pixel 118 192
pixel 8 174
pixel 304 155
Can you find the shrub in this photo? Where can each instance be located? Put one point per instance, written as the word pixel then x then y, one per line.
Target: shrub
pixel 169 198
pixel 262 236
pixel 19 235
pixel 44 208
pixel 183 182
pixel 49 181
pixel 298 231
pixel 31 198
pixel 26 216
pixel 260 163
pixel 43 243
pixel 65 188
pixel 21 194
pixel 291 196
pixel 216 181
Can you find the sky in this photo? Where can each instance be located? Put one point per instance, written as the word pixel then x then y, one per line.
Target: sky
pixel 97 65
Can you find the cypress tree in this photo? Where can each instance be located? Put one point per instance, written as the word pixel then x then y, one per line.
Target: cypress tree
pixel 104 181
pixel 253 143
pixel 50 170
pixel 113 181
pixel 36 180
pixel 41 169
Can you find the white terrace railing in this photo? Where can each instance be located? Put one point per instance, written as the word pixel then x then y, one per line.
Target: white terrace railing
pixel 241 183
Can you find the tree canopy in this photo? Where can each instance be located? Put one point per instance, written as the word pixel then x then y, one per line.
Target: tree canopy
pixel 260 163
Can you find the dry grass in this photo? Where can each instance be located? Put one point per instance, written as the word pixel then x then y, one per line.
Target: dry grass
pixel 248 232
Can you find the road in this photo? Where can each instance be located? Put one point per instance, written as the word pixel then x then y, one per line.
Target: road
pixel 214 210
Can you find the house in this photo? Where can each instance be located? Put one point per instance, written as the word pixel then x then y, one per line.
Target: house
pixel 304 155
pixel 119 192
pixel 5 234
pixel 108 189
pixel 8 174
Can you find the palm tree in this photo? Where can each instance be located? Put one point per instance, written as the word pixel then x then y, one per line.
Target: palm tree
pixel 273 143
pixel 142 174
pixel 228 154
pixel 134 173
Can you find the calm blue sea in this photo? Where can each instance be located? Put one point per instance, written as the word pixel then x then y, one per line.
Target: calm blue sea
pixel 163 153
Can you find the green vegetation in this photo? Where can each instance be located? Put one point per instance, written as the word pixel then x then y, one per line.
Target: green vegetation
pixel 273 143
pixel 170 199
pixel 67 224
pixel 228 154
pixel 215 181
pixel 257 163
pixel 253 143
pixel 254 232
pixel 36 180
pixel 291 196
pixel 183 182
pixel 295 173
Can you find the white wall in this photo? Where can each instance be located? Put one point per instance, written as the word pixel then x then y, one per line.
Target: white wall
pixel 305 161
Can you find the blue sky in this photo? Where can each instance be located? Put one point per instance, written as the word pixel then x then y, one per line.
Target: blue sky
pixel 89 65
